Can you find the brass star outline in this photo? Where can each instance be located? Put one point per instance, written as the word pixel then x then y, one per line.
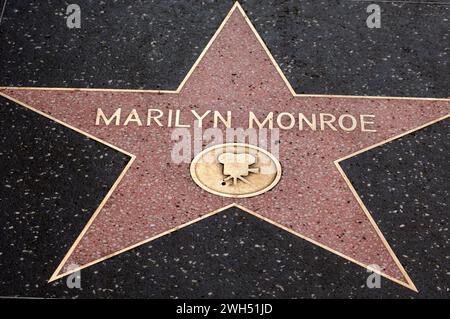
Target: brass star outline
pixel 236 6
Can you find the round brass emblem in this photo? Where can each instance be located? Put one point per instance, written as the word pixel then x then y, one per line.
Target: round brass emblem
pixel 235 170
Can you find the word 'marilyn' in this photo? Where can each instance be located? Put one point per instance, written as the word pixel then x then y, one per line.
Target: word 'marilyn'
pixel 284 121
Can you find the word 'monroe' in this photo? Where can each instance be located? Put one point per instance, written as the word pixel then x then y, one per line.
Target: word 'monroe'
pixel 285 121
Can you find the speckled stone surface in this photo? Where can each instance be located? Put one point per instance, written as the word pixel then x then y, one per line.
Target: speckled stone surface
pixel 312 199
pixel 229 255
pixel 52 179
pixel 405 184
pixel 119 225
pixel 323 46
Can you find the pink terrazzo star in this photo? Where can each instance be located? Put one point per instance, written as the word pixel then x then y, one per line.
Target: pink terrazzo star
pixel 235 73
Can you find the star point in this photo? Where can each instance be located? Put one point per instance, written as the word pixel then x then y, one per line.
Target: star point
pixel 236 72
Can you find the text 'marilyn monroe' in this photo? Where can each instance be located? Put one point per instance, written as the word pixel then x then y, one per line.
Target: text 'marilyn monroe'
pixel 285 121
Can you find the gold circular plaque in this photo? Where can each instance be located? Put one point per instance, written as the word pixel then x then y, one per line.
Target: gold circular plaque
pixel 235 170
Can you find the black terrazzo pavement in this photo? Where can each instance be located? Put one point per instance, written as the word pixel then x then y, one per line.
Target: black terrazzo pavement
pixel 51 181
pixel 121 44
pixel 323 46
pixel 406 186
pixel 229 255
pixel 53 178
pixel 48 195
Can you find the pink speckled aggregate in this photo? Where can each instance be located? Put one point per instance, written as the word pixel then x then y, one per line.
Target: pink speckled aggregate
pixel 236 74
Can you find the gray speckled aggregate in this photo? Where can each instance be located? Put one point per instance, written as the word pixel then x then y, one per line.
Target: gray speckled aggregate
pixel 405 184
pixel 51 180
pixel 229 255
pixel 323 47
